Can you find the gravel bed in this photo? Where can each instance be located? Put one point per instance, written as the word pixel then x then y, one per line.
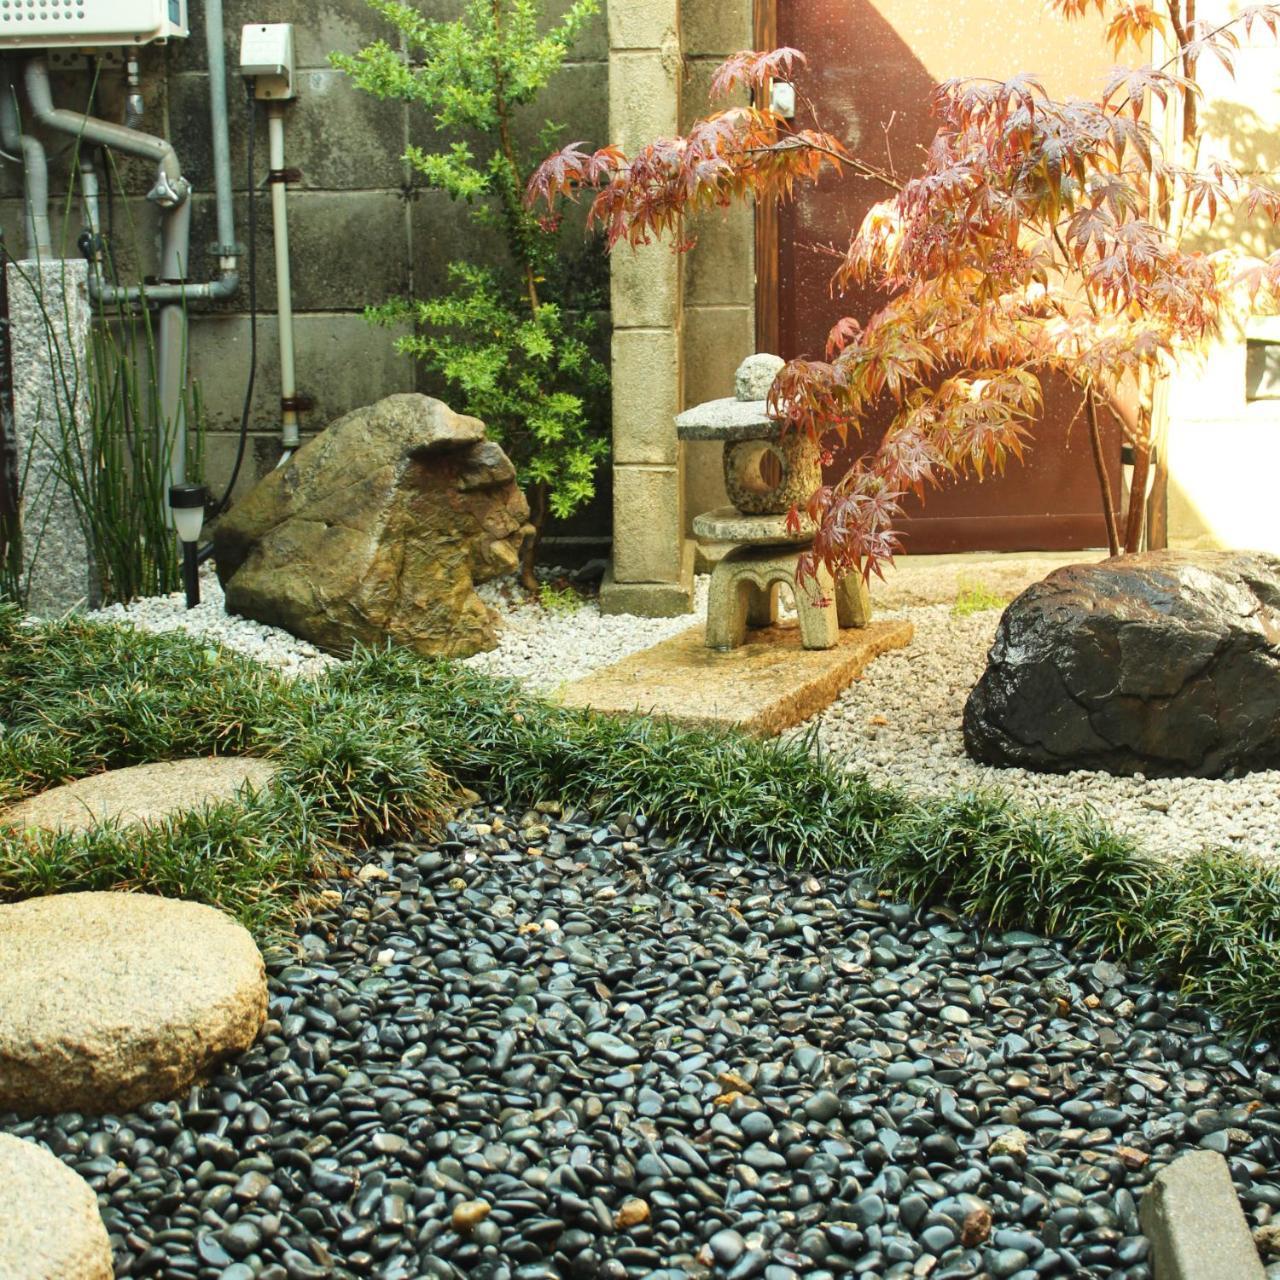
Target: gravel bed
pixel 901 725
pixel 540 1050
pixel 546 648
pixel 210 619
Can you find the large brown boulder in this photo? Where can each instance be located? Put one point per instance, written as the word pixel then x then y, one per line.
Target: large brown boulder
pixel 377 530
pixel 1165 664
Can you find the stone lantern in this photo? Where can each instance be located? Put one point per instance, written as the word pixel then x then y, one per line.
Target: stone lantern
pixel 766 473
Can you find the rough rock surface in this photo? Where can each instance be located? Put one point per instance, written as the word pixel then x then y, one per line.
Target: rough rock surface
pixel 377 530
pixel 755 376
pixel 1165 664
pixel 50 1228
pixel 115 999
pixel 140 794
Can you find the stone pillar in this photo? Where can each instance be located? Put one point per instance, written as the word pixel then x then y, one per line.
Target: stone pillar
pixel 49 317
pixel 719 272
pixel 652 569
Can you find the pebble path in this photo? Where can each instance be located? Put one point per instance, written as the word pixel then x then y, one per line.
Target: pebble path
pixel 539 1049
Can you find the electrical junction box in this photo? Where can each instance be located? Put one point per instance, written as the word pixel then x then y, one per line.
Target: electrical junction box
pixel 89 24
pixel 266 58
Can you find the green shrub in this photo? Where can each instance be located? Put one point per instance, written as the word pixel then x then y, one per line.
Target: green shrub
pixel 511 342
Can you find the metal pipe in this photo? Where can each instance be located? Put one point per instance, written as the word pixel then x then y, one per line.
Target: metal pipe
pixel 284 288
pixel 218 116
pixel 171 341
pixel 89 194
pixel 228 280
pixel 171 187
pixel 35 168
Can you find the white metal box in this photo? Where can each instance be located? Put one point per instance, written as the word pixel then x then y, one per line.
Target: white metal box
pixel 84 24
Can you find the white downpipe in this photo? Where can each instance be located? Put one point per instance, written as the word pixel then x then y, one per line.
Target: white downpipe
pixel 284 288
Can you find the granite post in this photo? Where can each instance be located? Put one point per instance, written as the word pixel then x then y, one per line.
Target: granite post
pixel 49 317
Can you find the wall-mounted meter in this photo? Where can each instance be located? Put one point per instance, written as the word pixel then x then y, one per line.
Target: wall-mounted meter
pixel 266 58
pixel 46 24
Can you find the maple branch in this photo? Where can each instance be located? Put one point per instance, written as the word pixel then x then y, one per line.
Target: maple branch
pixel 1100 465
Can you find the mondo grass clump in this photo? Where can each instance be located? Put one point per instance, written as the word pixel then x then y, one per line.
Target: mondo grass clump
pixel 373 750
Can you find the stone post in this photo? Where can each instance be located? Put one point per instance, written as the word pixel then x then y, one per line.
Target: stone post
pixel 49 316
pixel 652 568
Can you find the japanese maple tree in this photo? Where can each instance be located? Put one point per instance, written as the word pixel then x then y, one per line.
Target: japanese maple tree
pixel 1039 236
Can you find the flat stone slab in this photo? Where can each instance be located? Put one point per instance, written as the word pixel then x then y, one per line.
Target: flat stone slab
pixel 728 524
pixel 1194 1222
pixel 728 419
pixel 50 1228
pixel 140 794
pixel 764 686
pixel 115 999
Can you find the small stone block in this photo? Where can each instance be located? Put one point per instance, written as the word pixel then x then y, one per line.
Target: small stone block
pixel 763 687
pixel 728 524
pixel 1194 1222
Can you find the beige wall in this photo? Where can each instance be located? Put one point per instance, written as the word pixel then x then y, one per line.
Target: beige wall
pixel 719 272
pixel 1224 450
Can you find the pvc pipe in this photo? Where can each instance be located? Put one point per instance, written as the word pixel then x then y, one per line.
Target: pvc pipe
pixel 35 169
pixel 171 342
pixel 218 116
pixel 228 280
pixel 171 187
pixel 284 289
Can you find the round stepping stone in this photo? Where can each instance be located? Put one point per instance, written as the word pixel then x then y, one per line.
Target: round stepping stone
pixel 49 1221
pixel 140 794
pixel 115 999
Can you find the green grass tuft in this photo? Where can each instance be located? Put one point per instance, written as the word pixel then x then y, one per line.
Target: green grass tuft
pixel 974 596
pixel 371 749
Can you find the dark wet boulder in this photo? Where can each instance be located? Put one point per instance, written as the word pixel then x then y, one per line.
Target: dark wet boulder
pixel 1165 664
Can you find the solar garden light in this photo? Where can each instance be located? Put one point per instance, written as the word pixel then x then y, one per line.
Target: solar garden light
pixel 186 502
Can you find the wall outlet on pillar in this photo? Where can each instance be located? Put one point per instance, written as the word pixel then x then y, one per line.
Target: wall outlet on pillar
pixel 266 58
pixel 782 98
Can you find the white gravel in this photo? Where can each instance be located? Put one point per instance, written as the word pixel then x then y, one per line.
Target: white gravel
pixel 900 722
pixel 268 645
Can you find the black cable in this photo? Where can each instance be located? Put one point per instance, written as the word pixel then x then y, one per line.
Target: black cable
pixel 252 266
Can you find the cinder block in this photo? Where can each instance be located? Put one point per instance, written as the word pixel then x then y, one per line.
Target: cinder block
pixel 644 98
pixel 645 286
pixel 343 362
pixel 339 137
pixel 348 249
pixel 720 269
pixel 716 341
pixel 1194 1222
pixel 703 480
pixel 647 524
pixel 644 24
pixel 695 90
pixel 650 599
pixel 716 28
pixel 646 395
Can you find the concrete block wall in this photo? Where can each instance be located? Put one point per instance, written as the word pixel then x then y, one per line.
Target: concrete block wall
pixel 362 226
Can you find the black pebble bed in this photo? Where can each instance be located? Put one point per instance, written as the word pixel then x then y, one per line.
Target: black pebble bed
pixel 543 1049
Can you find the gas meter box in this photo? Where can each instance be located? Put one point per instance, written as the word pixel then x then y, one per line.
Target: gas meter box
pixel 88 24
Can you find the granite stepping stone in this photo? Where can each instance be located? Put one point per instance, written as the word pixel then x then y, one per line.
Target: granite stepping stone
pixel 115 999
pixel 144 793
pixel 50 1228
